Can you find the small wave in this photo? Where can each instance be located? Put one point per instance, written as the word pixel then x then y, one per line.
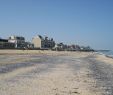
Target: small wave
pixel 110 56
pixel 107 53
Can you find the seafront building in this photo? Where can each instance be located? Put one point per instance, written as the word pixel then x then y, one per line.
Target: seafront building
pixel 60 47
pixel 43 42
pixel 4 44
pixel 18 41
pixel 39 42
pixel 64 47
pixel 29 45
pixel 87 48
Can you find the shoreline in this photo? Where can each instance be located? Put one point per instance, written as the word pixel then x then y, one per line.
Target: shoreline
pixel 104 58
pixel 107 55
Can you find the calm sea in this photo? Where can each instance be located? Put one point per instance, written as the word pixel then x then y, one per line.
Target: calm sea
pixel 108 53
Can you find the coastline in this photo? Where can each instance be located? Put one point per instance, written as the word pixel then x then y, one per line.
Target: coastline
pixel 104 58
pixel 108 54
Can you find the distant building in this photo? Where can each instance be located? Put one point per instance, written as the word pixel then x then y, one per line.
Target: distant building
pixel 37 41
pixel 29 45
pixel 64 47
pixel 73 47
pixel 43 43
pixel 18 41
pixel 60 47
pixel 4 44
pixel 87 48
pixel 3 40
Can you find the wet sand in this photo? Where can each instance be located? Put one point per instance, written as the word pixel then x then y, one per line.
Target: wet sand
pixel 55 73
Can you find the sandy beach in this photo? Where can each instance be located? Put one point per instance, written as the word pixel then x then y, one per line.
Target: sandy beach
pixel 32 72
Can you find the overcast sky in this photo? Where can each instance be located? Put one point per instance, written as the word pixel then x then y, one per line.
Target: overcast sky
pixel 84 22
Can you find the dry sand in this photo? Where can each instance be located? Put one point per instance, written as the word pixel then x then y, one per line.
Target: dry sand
pixel 49 73
pixel 45 52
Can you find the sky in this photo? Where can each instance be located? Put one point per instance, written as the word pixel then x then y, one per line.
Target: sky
pixel 83 22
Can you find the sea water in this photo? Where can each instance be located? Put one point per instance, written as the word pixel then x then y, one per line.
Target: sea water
pixel 108 53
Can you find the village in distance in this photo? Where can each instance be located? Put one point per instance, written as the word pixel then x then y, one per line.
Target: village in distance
pixel 39 43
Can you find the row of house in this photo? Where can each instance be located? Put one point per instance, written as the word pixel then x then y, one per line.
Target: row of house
pixel 64 47
pixel 43 42
pixel 16 42
pixel 4 44
pixel 38 42
pixel 19 42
